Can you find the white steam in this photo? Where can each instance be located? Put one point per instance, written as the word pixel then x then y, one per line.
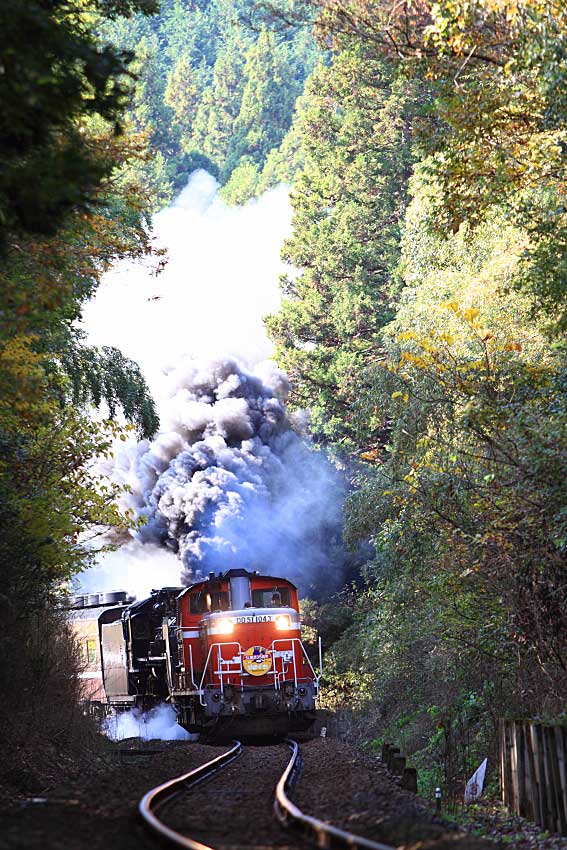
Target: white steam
pixel 221 278
pixel 158 724
pixel 135 567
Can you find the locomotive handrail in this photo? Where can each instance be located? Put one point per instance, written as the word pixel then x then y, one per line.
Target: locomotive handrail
pixel 193 682
pixel 273 672
pixel 219 673
pixel 321 832
pixel 274 650
pixel 163 793
pixel 292 640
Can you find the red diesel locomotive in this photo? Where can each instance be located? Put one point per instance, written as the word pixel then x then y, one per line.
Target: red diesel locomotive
pixel 241 656
pixel 226 652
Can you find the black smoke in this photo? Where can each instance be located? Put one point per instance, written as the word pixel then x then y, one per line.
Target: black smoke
pixel 231 483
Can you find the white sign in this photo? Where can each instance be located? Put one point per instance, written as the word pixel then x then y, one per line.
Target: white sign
pixel 475 784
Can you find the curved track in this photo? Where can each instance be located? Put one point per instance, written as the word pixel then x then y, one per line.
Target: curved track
pixel 289 816
pixel 322 833
pixel 162 794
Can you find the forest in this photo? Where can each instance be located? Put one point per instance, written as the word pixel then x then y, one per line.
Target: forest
pixel 425 145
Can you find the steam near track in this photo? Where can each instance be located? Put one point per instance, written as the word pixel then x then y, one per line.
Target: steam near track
pixel 159 723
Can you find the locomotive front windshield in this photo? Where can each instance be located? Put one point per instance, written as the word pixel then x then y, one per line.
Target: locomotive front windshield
pixel 202 603
pixel 274 597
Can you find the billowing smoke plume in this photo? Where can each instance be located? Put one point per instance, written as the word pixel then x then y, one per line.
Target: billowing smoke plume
pixel 229 483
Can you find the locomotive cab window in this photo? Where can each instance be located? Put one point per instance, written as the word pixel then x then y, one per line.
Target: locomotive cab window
pixel 203 603
pixel 197 603
pixel 275 597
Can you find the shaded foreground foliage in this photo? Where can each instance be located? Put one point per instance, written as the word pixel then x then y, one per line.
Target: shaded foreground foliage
pixel 66 214
pixel 426 333
pixel 54 75
pixel 45 736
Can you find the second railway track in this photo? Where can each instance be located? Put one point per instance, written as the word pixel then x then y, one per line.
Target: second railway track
pixel 245 804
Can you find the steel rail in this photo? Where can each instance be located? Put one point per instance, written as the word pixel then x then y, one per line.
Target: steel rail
pixel 163 793
pixel 322 833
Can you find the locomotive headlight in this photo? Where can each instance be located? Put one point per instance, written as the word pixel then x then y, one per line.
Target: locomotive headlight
pixel 225 626
pixel 283 622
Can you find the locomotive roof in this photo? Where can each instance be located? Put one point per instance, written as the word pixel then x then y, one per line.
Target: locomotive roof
pixel 236 573
pixel 94 612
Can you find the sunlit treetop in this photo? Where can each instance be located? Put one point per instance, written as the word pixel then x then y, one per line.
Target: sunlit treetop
pixel 484 30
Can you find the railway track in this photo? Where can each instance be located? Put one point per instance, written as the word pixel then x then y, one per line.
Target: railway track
pixel 309 830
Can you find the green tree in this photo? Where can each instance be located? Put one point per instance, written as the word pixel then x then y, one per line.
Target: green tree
pixel 498 129
pixel 243 183
pixel 182 95
pixel 150 112
pixel 220 106
pixel 98 375
pixel 267 102
pixel 48 166
pixel 355 125
pixel 68 213
pixel 462 498
pixel 286 163
pixel 191 68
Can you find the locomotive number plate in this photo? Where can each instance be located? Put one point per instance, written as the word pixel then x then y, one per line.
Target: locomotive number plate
pixel 254 618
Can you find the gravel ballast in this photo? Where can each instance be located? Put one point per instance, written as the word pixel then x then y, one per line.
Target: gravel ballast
pixel 97 808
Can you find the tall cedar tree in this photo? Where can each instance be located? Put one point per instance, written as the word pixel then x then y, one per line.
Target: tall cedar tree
pixel 220 105
pixel 348 202
pixel 267 102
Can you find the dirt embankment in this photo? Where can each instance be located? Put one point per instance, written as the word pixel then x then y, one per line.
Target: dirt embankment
pixel 96 809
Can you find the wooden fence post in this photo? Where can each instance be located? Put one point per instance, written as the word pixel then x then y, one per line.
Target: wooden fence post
pixel 392 758
pixel 398 764
pixel 515 799
pixel 533 771
pixel 409 779
pixel 508 782
pixel 560 734
pixel 521 768
pixel 540 774
pixel 392 752
pixel 502 760
pixel 531 782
